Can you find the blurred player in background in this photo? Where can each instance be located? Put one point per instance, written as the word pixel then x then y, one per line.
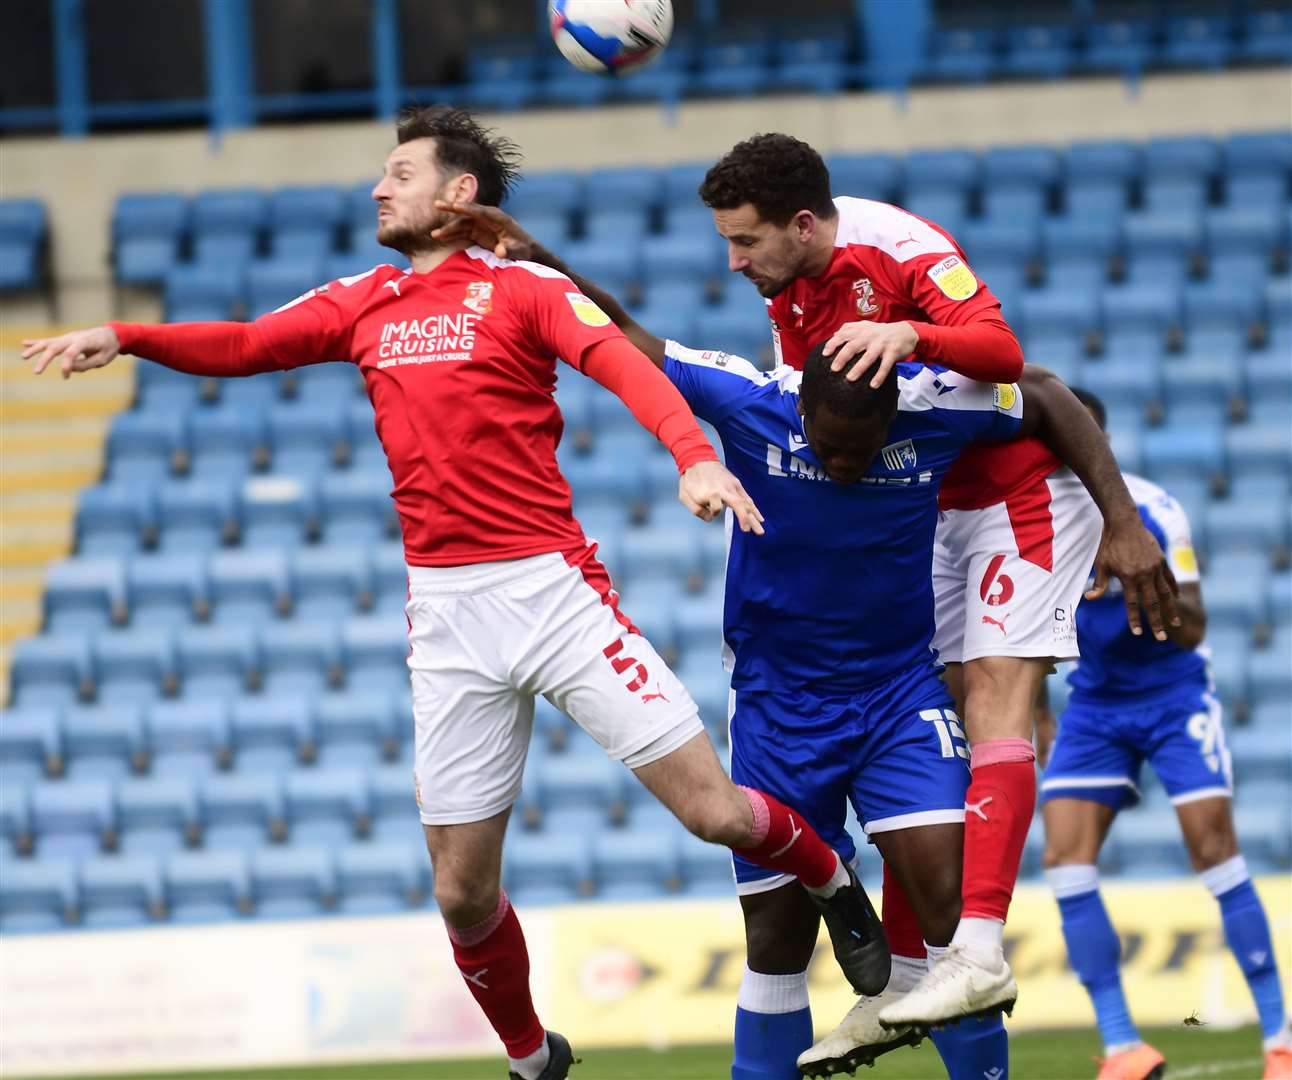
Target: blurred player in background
pixel 1136 699
pixel 506 597
pixel 1017 535
pixel 828 620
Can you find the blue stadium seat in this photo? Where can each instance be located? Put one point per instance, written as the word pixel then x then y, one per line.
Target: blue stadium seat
pixel 238 211
pixel 278 511
pixel 1269 674
pixel 1266 36
pixel 389 576
pixel 1261 153
pixel 538 868
pixel 1175 194
pixel 328 807
pixel 168 591
pixel 203 292
pixel 1118 44
pixel 274 282
pixel 378 878
pixel 632 864
pixel 946 170
pixel 615 188
pixel 961 54
pixel 1150 843
pixel 147 230
pixel 208 886
pixel 1043 51
pixel 189 739
pixel 330 583
pixel 31 745
pixel 161 389
pixel 1036 165
pixel 1095 199
pixel 135 666
pixel 72 820
pixel 307 436
pixel 867 176
pixel 679 258
pixel 157 815
pixel 1260 753
pixel 1118 160
pixel 1257 192
pixel 1234 603
pixel 1170 452
pixel 376 652
pixel 85 593
pixel 355 508
pixel 292 208
pixel 1005 239
pixel 1203 376
pixel 1181 155
pixel 1248 525
pixel 622 224
pixel 329 383
pixel 122 891
pixel 1136 384
pixel 706 868
pixel 589 780
pixel 249 587
pixel 395 808
pixel 1265 838
pixel 1244 230
pixel 546 192
pixel 104 742
pixel 1071 237
pixel 38 896
pixel 215 250
pixel 52 670
pixel 357 728
pixel 216 661
pixel 300 656
pixel 15 820
pixel 1254 448
pixel 946 207
pixel 271 734
pixel 227 442
pixel 142 446
pixel 114 519
pixel 242 811
pixel 1278 303
pixel 24 232
pixel 1174 234
pixel 609 265
pixel 1059 310
pixel 1146 308
pixel 661 552
pixel 1198 41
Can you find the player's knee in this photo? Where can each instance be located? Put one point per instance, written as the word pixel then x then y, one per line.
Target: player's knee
pixel 464 903
pixel 719 819
pixel 1211 848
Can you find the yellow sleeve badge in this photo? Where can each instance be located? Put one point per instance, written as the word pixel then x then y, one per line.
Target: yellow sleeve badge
pixel 586 311
pixel 954 278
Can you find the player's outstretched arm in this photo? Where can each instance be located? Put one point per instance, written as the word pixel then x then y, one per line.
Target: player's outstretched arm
pixel 1128 551
pixel 495 229
pixel 81 350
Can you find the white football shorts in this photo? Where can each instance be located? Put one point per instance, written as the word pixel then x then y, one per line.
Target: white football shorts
pixel 1007 578
pixel 486 639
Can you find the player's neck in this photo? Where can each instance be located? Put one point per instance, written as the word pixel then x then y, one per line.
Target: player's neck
pixel 425 261
pixel 821 247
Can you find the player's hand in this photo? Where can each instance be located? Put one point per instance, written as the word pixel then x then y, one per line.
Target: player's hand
pixel 864 344
pixel 705 489
pixel 487 227
pixel 81 350
pixel 1130 553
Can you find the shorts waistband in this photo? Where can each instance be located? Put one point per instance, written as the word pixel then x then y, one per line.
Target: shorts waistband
pixel 478 577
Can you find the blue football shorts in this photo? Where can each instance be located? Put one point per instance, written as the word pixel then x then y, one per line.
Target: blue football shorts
pixel 895 750
pixel 1099 750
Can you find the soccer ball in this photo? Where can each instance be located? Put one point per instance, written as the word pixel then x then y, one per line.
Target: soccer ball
pixel 610 37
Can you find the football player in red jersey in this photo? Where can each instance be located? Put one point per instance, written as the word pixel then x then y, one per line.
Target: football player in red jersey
pixel 1017 532
pixel 506 597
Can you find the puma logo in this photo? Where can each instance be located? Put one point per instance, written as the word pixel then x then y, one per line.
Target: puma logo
pixel 392 284
pixel 998 623
pixel 977 808
pixel 796 833
pixel 478 978
pixel 910 239
pixel 658 696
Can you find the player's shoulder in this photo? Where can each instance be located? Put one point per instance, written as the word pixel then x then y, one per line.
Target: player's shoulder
pixel 927 388
pixel 868 225
pixel 717 361
pixel 352 290
pixel 514 271
pixel 1156 501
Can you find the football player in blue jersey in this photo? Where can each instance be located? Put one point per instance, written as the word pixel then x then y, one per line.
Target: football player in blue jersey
pixel 1136 699
pixel 828 622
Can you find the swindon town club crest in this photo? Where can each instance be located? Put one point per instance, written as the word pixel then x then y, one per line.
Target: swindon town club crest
pixel 479 297
pixel 865 295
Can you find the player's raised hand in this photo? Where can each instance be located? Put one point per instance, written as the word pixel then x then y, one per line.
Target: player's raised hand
pixel 81 350
pixel 1131 554
pixel 487 227
pixel 865 344
pixel 705 489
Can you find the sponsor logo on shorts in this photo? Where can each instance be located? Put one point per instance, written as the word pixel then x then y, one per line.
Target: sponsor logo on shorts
pixel 954 278
pixel 993 579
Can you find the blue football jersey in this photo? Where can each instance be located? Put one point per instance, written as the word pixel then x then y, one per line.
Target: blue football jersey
pixel 838 592
pixel 1114 662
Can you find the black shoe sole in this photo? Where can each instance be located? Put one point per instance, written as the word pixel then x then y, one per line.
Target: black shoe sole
pixel 863 1055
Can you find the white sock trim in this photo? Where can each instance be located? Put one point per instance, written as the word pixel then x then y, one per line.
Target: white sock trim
pixel 1073 880
pixel 905 972
pixel 1227 875
pixel 761 993
pixel 983 940
pixel 934 953
pixel 1113 1049
pixel 1281 1039
pixel 533 1065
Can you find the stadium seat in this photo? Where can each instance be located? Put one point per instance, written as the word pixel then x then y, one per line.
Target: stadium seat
pixel 632 864
pixel 189 739
pixel 1248 525
pixel 115 519
pixel 72 820
pixel 865 176
pixel 52 670
pixel 24 232
pixel 1042 51
pixel 706 868
pixel 330 583
pixel 216 662
pixel 143 447
pixel 242 811
pixel 1269 675
pixel 271 734
pixel 1265 838
pixel 31 745
pixel 378 878
pixel 1181 155
pixel 1266 36
pixel 38 896
pixel 300 656
pixel 1179 451
pixel 307 435
pixel 137 666
pixel 249 587
pixel 1098 201
pixel 235 211
pixel 1260 753
pixel 279 511
pixel 375 650
pixel 122 890
pixel 208 886
pixel 104 742
pixel 961 54
pixel 1175 195
pixel 328 807
pixel 1141 308
pixel 203 292
pixel 1059 310
pixel 1197 41
pixel 15 820
pixel 1114 379
pixel 1235 599
pixel 168 591
pixel 85 594
pixel 227 443
pixel 270 283
pixel 1253 448
pixel 147 230
pixel 1123 45
pixel 356 728
pixel 592 781
pixel 355 509
pixel 1150 843
pixel 157 815
pixel 547 869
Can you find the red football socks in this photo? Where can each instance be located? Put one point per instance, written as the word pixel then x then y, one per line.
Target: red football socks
pixel 998 813
pixel 784 842
pixel 900 923
pixel 495 964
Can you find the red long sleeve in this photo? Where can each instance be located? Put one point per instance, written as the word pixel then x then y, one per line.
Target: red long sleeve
pixel 654 401
pixel 984 349
pixel 209 349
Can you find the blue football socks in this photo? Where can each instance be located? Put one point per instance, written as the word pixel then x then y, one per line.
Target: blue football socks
pixel 976 1049
pixel 773 1026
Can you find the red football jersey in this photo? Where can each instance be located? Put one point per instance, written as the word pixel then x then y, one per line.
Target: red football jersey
pixel 460 365
pixel 891 266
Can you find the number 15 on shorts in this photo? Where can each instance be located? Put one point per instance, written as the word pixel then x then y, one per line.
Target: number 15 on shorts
pixel 951 736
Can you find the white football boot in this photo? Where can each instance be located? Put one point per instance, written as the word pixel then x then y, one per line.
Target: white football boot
pixel 957 986
pixel 858 1039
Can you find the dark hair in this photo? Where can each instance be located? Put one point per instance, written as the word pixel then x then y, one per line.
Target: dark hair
pixel 462 143
pixel 779 174
pixel 850 400
pixel 1093 404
